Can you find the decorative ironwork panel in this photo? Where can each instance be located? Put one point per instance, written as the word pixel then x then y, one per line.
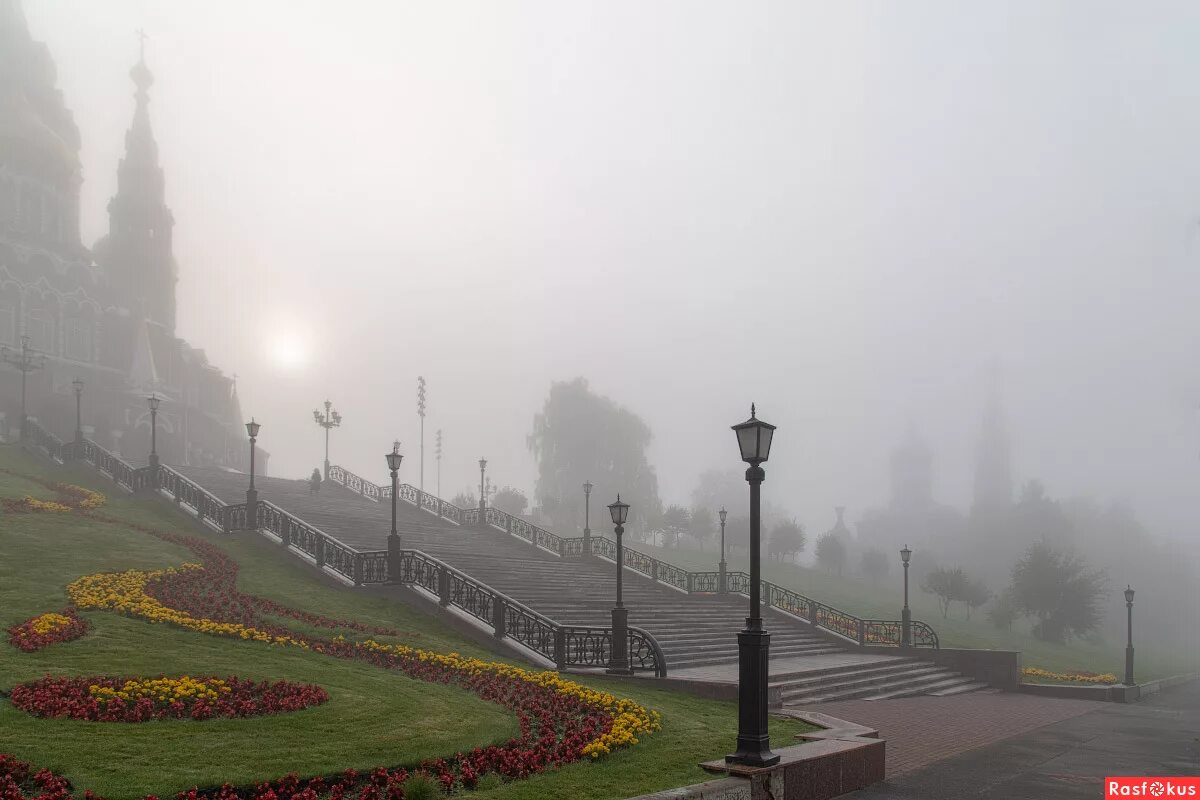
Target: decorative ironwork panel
pixel 408 493
pixel 416 567
pixel 706 581
pixel 738 582
pixel 472 597
pixel 882 632
pixel 638 561
pixel 44 439
pixel 672 575
pixel 305 538
pixel 452 513
pixel 375 566
pixel 839 622
pixel 339 557
pixel 787 600
pixel 530 629
pixel 923 635
pixel 604 548
pixel 429 503
pixel 588 647
pixel 204 503
pixel 645 654
pixel 470 516
pixel 571 548
pixel 236 517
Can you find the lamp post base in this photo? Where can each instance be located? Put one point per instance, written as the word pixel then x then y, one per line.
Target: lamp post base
pixel 393 558
pixel 753 742
pixel 251 509
pixel 1129 665
pixel 906 627
pixel 723 580
pixel 618 664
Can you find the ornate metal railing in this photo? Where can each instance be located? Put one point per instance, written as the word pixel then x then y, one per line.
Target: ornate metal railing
pixel 207 506
pixel 408 493
pixel 876 633
pixel 565 645
pixel 38 436
pixel 132 478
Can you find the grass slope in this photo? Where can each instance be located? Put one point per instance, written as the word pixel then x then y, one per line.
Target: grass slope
pixel 374 717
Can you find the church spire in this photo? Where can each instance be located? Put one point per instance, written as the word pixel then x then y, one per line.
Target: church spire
pixel 138 252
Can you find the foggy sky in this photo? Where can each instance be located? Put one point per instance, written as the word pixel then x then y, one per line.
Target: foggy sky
pixel 841 211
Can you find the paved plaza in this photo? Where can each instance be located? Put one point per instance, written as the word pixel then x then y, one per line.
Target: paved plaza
pixel 1012 746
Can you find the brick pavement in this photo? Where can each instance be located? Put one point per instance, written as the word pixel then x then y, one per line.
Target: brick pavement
pixel 922 730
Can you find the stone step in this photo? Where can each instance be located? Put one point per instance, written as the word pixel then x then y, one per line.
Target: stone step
pixel 823 684
pixel 882 690
pixel 949 681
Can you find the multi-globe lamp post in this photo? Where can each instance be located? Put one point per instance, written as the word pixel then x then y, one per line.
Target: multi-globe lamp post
pixel 723 586
pixel 252 429
pixel 905 613
pixel 1129 645
pixel 330 419
pixel 753 743
pixel 618 663
pixel 587 520
pixel 393 542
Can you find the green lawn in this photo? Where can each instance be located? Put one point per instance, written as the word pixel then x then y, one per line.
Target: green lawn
pixel 874 601
pixel 374 717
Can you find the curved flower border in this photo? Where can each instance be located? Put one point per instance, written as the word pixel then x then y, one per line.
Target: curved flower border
pixel 46 629
pixel 135 699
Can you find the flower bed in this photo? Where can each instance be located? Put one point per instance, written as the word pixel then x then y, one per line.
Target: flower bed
pixel 560 721
pixel 73 498
pixel 101 699
pixel 46 629
pixel 1040 675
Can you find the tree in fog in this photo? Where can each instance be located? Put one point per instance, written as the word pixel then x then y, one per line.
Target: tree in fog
pixel 786 539
pixel 1004 612
pixel 974 595
pixel 947 584
pixel 703 525
pixel 875 565
pixel 1059 591
pixel 675 523
pixel 465 500
pixel 831 553
pixel 580 436
pixel 511 501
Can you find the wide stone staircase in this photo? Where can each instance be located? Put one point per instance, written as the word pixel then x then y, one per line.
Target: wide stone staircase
pixel 696 631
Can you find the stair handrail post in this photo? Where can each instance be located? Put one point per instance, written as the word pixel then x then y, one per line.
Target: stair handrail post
pixel 320 555
pixel 285 533
pixel 560 648
pixel 862 632
pixel 358 569
pixel 443 586
pixel 499 608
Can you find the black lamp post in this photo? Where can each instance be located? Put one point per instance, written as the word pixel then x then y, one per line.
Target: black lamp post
pixel 905 613
pixel 587 529
pixel 1129 646
pixel 78 384
pixel 619 662
pixel 393 544
pixel 724 586
pixel 26 361
pixel 753 744
pixel 153 402
pixel 482 495
pixel 252 429
pixel 330 419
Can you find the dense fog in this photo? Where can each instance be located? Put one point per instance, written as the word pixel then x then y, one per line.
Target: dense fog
pixel 872 220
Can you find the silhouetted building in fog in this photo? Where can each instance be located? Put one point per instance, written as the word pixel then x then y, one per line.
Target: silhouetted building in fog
pixel 993 457
pixel 913 517
pixel 108 320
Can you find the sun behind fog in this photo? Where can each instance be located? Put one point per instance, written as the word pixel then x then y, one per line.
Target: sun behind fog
pixel 288 351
